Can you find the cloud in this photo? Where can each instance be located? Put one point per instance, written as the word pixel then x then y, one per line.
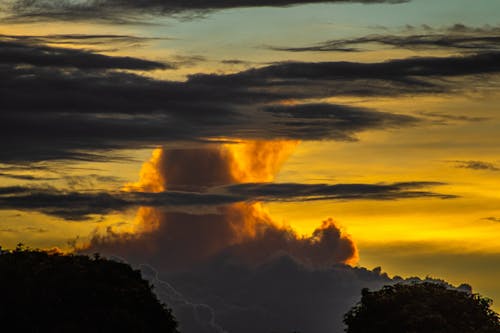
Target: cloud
pixel 458 37
pixel 444 119
pixel 82 39
pixel 306 192
pixel 23 177
pixel 230 268
pixel 84 114
pixel 477 165
pixel 78 206
pixel 245 299
pixel 222 214
pixel 339 122
pixel 130 11
pixel 194 205
pixel 224 295
pixel 18 52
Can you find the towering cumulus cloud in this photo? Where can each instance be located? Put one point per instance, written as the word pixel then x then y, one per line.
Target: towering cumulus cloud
pixel 244 231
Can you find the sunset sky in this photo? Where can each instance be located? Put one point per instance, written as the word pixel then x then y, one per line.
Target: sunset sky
pixel 186 135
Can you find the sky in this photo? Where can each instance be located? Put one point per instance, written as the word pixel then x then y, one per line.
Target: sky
pixel 259 160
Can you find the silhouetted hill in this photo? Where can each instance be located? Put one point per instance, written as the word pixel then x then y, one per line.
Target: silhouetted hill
pixel 50 292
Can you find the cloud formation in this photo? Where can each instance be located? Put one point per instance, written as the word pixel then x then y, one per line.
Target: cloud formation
pixel 477 165
pixel 22 53
pixel 79 206
pixel 224 296
pixel 82 39
pixel 82 113
pixel 458 37
pixel 230 269
pixel 127 11
pixel 241 229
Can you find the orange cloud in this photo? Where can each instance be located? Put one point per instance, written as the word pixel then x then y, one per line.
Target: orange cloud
pixel 243 230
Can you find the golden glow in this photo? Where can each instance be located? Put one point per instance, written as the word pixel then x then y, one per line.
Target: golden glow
pixel 246 161
pixel 150 178
pixel 258 161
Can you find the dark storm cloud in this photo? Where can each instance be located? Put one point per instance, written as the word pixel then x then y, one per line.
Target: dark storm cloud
pixel 477 165
pixel 457 37
pixel 21 53
pixel 84 114
pixel 80 205
pixel 244 299
pixel 226 296
pixel 130 11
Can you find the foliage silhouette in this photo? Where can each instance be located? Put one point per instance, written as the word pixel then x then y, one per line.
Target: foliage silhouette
pixel 52 292
pixel 421 308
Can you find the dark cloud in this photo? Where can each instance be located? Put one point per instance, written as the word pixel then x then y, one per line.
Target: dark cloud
pixel 16 53
pixel 81 205
pixel 22 177
pixel 226 296
pixel 130 11
pixel 477 165
pixel 399 70
pixel 83 39
pixel 235 62
pixel 340 122
pixel 244 299
pixel 68 205
pixel 84 115
pixel 458 37
pixel 294 192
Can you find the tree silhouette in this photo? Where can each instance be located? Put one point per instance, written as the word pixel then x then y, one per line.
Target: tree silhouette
pixel 421 308
pixel 51 292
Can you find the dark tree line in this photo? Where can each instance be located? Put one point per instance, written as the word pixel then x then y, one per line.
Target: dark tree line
pixel 421 308
pixel 51 292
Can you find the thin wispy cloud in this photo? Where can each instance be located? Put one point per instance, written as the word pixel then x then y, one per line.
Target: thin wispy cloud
pixel 81 205
pixel 477 165
pixel 456 38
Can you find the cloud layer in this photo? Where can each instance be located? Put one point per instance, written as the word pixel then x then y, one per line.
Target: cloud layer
pixel 78 206
pixel 78 105
pixel 126 11
pixel 458 38
pixel 22 53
